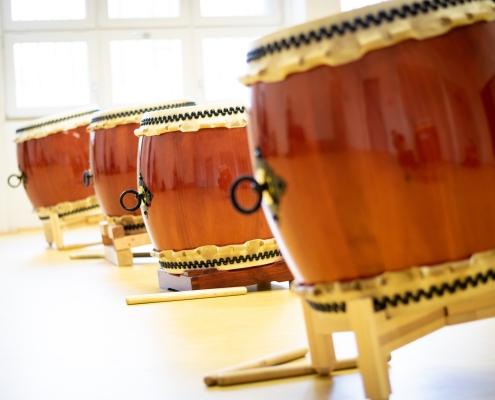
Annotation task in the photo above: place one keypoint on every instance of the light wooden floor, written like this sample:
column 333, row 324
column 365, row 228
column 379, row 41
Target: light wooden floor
column 66, row 333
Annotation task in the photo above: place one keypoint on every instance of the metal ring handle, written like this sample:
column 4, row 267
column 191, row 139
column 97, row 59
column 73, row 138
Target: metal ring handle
column 136, row 195
column 20, row 180
column 254, row 185
column 87, row 178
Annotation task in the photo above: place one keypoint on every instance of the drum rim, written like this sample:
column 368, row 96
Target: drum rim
column 68, row 208
column 133, row 114
column 188, row 119
column 410, row 289
column 54, row 119
column 252, row 253
column 345, row 37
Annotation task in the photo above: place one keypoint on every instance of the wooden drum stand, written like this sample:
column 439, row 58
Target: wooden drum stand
column 394, row 309
column 119, row 238
column 62, row 216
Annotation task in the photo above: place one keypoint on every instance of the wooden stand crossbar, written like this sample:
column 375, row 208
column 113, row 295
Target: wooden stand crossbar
column 213, row 278
column 377, row 334
column 54, row 225
column 118, row 245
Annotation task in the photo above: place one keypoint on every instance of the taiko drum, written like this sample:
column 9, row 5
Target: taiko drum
column 377, row 127
column 52, row 153
column 188, row 158
column 113, row 152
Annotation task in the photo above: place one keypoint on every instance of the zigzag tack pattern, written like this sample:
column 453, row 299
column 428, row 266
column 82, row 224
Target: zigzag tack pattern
column 221, row 261
column 72, row 212
column 407, row 10
column 410, row 297
column 193, row 115
column 347, row 37
column 140, row 111
column 54, row 121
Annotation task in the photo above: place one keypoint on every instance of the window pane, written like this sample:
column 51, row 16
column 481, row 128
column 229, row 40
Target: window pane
column 146, row 70
column 237, row 8
column 224, row 61
column 51, row 74
column 47, row 10
column 346, row 5
column 143, row 8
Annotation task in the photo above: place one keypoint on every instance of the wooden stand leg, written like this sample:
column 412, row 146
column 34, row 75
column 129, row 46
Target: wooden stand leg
column 56, row 231
column 47, row 229
column 118, row 257
column 372, row 364
column 320, row 346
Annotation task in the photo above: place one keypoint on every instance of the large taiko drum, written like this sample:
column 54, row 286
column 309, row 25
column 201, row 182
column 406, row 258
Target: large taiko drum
column 374, row 138
column 52, row 153
column 113, row 158
column 188, row 158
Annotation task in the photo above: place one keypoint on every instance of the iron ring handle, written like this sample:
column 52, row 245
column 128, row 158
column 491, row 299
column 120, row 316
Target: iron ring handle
column 254, row 185
column 87, row 178
column 20, row 180
column 138, row 197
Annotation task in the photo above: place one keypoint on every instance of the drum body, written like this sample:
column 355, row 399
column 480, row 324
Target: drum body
column 113, row 160
column 113, row 156
column 189, row 174
column 54, row 165
column 388, row 160
column 52, row 153
column 188, row 158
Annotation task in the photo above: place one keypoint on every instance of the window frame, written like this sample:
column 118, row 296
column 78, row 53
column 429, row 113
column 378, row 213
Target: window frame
column 275, row 18
column 202, row 33
column 108, row 35
column 105, row 22
column 29, row 26
column 11, row 109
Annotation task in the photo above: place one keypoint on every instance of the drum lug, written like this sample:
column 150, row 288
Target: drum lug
column 22, row 178
column 143, row 196
column 269, row 187
column 87, row 176
column 273, row 186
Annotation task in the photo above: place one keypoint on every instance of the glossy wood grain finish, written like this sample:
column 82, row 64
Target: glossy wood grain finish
column 389, row 160
column 113, row 159
column 54, row 166
column 189, row 174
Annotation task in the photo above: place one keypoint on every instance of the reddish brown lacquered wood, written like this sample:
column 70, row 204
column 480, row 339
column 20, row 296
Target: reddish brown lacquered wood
column 389, row 160
column 189, row 174
column 54, row 166
column 113, row 159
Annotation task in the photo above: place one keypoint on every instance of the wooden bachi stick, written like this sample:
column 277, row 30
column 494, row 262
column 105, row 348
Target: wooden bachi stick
column 272, row 359
column 280, row 371
column 189, row 295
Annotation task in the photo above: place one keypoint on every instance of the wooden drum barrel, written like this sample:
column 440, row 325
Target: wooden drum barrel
column 52, row 153
column 187, row 160
column 113, row 158
column 374, row 137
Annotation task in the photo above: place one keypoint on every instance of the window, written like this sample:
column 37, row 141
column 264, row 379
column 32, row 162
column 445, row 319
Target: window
column 65, row 53
column 221, row 55
column 47, row 10
column 153, row 76
column 347, row 5
column 59, row 77
column 143, row 9
column 47, row 72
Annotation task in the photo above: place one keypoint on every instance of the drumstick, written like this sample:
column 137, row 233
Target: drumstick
column 189, row 295
column 272, row 359
column 85, row 256
column 280, row 371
